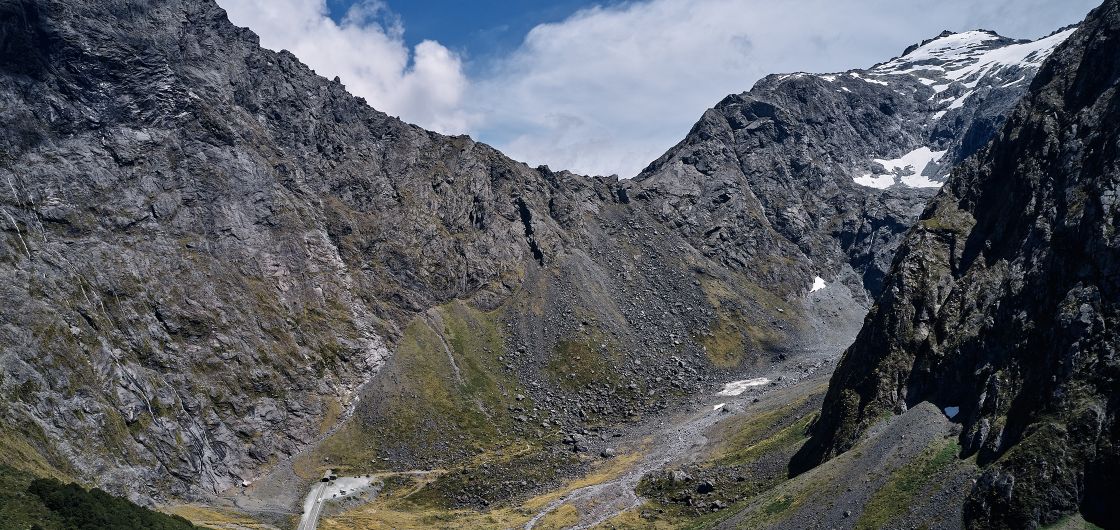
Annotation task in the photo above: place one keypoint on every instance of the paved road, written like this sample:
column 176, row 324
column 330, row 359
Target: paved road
column 313, row 507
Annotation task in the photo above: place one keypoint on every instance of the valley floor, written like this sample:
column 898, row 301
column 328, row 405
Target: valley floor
column 608, row 495
column 717, row 459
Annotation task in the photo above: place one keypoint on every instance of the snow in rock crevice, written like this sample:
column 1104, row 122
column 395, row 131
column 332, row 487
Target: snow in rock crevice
column 818, row 284
column 907, row 170
column 949, row 72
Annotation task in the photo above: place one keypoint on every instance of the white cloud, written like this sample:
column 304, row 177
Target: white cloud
column 367, row 51
column 609, row 89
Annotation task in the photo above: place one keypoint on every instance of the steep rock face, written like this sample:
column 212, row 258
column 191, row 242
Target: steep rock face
column 210, row 251
column 207, row 246
column 811, row 174
column 1002, row 304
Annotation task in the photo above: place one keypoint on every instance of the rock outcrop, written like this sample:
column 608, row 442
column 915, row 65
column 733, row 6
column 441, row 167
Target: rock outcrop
column 1002, row 304
column 209, row 253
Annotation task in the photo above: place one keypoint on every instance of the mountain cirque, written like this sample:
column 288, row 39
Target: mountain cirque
column 774, row 171
column 222, row 263
column 212, row 249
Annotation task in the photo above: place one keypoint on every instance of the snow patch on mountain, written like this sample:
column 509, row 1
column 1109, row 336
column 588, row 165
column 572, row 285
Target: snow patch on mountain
column 966, row 57
column 735, row 388
column 908, row 170
column 952, row 77
column 818, row 284
column 968, row 60
column 868, row 79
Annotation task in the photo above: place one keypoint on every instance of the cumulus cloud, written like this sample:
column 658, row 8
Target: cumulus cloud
column 424, row 85
column 609, row 89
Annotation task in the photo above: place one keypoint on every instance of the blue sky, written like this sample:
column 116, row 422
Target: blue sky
column 602, row 87
column 480, row 30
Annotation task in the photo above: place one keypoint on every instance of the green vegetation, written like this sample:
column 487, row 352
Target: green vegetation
column 849, row 430
column 452, row 381
column 781, row 429
column 487, row 476
column 893, row 499
column 18, row 507
column 778, row 506
column 27, row 502
column 949, row 218
column 445, row 394
column 786, row 440
column 746, row 464
column 25, row 447
column 763, row 338
column 724, row 343
column 1073, row 522
column 406, row 503
column 731, row 337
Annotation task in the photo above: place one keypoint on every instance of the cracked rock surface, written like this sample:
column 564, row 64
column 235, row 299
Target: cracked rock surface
column 212, row 256
column 1001, row 307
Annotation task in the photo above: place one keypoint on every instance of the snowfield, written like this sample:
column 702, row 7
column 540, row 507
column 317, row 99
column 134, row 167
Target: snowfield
column 908, row 168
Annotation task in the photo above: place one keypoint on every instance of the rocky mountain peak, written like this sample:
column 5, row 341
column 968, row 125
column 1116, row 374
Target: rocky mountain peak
column 945, row 98
column 949, row 42
column 221, row 267
column 809, row 153
column 972, row 58
column 250, row 258
column 958, row 75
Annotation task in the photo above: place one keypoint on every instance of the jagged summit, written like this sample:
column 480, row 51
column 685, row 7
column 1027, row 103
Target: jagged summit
column 971, row 57
column 226, row 276
column 845, row 136
column 924, row 111
column 251, row 259
column 993, row 39
column 948, row 95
